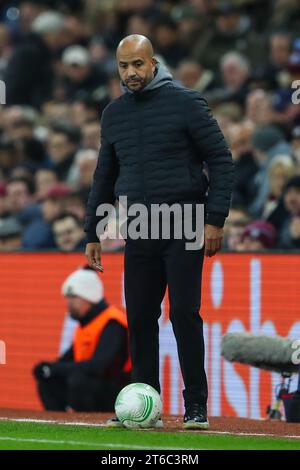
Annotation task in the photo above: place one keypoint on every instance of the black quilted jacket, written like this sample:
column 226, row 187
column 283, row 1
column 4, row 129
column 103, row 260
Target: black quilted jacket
column 153, row 145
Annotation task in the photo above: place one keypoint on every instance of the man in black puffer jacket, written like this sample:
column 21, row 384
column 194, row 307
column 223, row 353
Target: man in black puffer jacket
column 155, row 140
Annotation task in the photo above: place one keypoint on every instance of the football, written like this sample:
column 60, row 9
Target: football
column 138, row 405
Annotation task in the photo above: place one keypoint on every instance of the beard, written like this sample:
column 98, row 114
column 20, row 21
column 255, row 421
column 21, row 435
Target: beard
column 137, row 84
column 74, row 314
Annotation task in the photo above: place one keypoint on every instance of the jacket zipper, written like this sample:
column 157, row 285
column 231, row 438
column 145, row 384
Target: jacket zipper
column 140, row 155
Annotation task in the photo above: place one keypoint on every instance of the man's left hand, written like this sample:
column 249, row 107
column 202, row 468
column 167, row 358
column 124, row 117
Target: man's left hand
column 213, row 237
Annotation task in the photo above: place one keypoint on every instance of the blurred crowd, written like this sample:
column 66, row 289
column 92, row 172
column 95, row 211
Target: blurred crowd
column 57, row 59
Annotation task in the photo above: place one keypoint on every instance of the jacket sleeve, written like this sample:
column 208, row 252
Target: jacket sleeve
column 213, row 149
column 102, row 190
column 113, row 340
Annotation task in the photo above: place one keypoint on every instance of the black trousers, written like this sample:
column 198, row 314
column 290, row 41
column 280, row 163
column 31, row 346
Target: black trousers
column 79, row 391
column 151, row 265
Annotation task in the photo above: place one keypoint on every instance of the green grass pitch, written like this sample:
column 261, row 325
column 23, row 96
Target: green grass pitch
column 44, row 436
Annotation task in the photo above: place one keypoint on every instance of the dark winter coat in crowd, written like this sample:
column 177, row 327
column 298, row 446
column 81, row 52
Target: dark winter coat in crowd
column 29, row 74
column 244, row 190
column 93, row 82
column 154, row 145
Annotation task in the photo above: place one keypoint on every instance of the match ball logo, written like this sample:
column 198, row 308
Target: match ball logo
column 138, row 406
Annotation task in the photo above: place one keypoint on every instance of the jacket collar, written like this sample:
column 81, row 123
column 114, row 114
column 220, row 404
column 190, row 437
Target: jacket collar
column 94, row 311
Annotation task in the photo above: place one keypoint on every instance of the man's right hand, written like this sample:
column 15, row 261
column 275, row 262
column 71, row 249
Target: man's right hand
column 93, row 254
column 42, row 371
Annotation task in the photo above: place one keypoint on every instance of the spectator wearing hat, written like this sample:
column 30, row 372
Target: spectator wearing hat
column 258, row 235
column 79, row 74
column 10, row 234
column 90, row 374
column 29, row 75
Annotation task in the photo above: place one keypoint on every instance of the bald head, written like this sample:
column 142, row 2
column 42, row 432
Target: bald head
column 136, row 43
column 136, row 63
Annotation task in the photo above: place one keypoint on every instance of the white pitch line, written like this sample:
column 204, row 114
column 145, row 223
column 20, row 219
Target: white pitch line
column 52, row 421
column 100, row 425
column 249, row 434
column 92, row 444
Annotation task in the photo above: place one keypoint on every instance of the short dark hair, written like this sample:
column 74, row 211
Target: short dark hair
column 28, row 183
column 67, row 215
column 294, row 182
column 72, row 132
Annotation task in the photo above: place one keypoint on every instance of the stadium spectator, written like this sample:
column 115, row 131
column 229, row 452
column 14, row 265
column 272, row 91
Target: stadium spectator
column 3, row 207
column 91, row 373
column 258, row 108
column 191, row 75
column 45, row 179
column 20, row 200
column 75, row 203
column 68, row 233
column 230, row 31
column 235, row 71
column 39, row 233
column 267, row 142
column 29, row 11
column 258, row 235
column 5, row 48
column 239, row 139
column 8, row 157
column 79, row 76
column 29, row 74
column 56, row 110
column 281, row 170
column 84, row 109
column 289, row 235
column 63, row 142
column 237, row 220
column 279, row 52
column 57, row 58
column 296, row 147
column 82, row 171
column 10, row 234
column 167, row 42
column 91, row 135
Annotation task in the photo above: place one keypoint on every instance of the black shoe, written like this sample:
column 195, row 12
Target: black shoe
column 114, row 422
column 195, row 417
